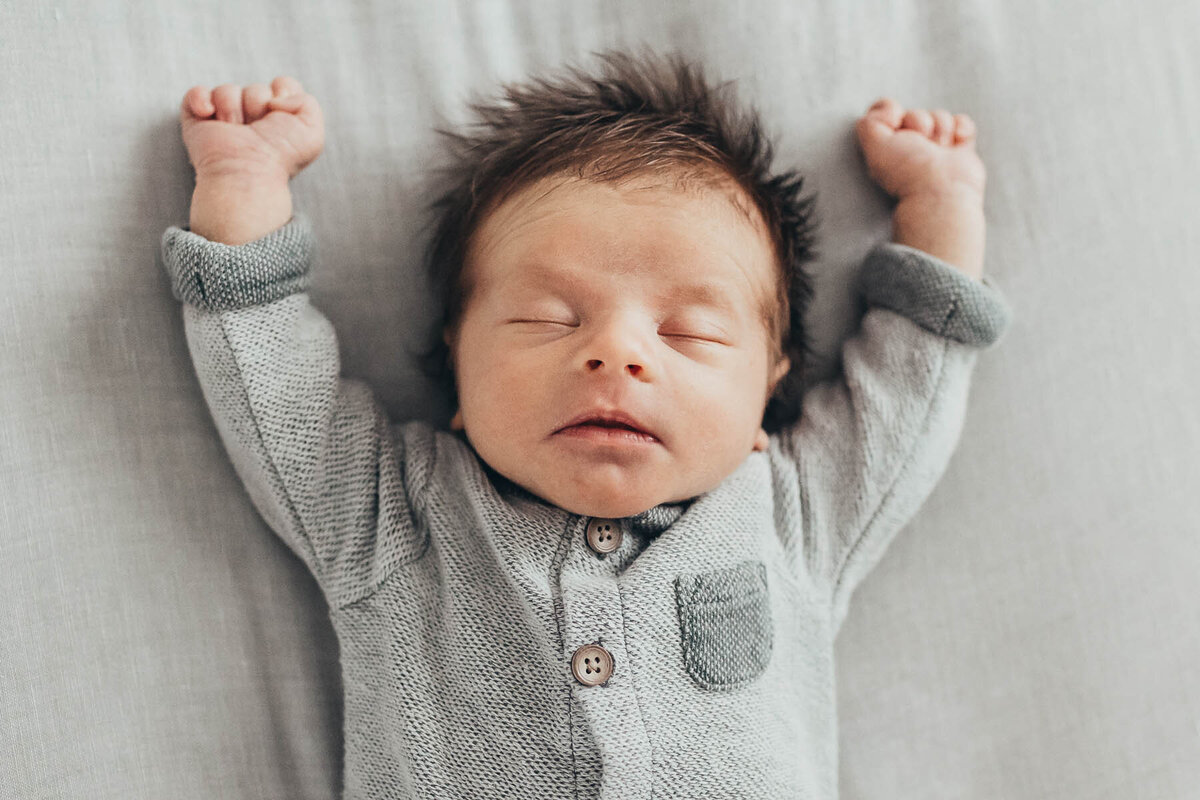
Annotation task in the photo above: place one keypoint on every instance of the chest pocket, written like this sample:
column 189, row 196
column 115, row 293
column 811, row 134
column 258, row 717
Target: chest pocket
column 725, row 625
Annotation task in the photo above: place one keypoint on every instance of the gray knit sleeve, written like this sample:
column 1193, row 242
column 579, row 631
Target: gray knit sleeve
column 316, row 452
column 872, row 443
column 219, row 277
column 934, row 294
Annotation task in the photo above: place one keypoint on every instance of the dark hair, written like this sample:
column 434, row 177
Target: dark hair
column 638, row 116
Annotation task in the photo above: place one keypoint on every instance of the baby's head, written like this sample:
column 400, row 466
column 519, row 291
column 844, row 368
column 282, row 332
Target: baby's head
column 614, row 247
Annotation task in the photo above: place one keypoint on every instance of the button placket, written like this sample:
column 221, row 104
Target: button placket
column 593, row 623
column 593, row 628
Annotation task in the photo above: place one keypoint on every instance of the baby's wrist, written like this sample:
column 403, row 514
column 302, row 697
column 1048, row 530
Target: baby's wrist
column 949, row 226
column 236, row 208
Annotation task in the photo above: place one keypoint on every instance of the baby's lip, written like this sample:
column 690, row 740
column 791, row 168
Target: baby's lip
column 610, row 417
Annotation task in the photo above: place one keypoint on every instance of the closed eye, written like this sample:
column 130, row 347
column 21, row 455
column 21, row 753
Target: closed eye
column 694, row 337
column 544, row 322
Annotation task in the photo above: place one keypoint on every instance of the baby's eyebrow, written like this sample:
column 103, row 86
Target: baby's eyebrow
column 713, row 295
column 704, row 294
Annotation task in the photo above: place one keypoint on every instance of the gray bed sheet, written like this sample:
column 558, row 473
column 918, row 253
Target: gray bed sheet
column 1033, row 633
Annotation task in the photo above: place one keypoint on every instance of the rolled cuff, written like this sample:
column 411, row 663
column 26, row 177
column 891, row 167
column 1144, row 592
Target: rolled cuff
column 221, row 277
column 937, row 296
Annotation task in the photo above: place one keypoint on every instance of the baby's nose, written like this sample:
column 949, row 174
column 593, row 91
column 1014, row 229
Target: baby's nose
column 618, row 345
column 596, row 364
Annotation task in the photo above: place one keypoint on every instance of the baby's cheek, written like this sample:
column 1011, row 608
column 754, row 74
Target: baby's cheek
column 721, row 402
column 506, row 392
column 514, row 376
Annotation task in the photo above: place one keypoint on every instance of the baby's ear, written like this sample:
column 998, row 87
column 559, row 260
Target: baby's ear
column 449, row 342
column 781, row 369
column 456, row 423
column 761, row 442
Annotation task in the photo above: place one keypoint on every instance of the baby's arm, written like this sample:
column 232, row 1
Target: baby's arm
column 870, row 446
column 316, row 453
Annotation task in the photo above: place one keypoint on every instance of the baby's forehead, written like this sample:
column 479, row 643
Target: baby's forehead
column 702, row 231
column 674, row 185
column 710, row 201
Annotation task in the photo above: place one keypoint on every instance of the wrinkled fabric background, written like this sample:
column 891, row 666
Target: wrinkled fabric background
column 1032, row 633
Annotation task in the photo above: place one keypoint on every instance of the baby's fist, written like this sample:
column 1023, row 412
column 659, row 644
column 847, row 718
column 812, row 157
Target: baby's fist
column 919, row 152
column 260, row 129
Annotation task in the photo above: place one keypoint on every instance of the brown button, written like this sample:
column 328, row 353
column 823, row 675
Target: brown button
column 604, row 535
column 592, row 665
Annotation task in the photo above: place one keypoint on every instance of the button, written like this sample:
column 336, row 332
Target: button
column 592, row 665
column 604, row 535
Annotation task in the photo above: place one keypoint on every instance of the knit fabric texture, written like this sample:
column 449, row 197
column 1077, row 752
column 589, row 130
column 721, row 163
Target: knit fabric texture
column 459, row 598
column 928, row 291
column 218, row 277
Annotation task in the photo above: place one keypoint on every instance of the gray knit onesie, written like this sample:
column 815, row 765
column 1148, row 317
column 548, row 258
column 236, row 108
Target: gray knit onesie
column 473, row 617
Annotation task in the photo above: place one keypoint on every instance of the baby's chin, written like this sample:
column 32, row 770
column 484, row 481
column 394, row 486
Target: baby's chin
column 594, row 502
column 609, row 488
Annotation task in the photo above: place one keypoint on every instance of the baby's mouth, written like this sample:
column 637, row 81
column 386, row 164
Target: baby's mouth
column 608, row 426
column 603, row 423
column 606, row 432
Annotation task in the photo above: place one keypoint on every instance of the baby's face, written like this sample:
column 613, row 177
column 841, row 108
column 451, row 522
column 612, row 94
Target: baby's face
column 592, row 299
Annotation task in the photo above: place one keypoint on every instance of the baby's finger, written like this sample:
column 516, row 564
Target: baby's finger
column 964, row 130
column 254, row 101
column 284, row 86
column 291, row 103
column 888, row 111
column 920, row 120
column 228, row 99
column 197, row 103
column 943, row 127
column 873, row 131
column 879, row 123
column 310, row 112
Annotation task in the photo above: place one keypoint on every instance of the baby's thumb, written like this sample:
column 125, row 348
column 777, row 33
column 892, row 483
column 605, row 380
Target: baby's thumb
column 291, row 103
column 196, row 105
column 303, row 105
column 880, row 122
column 874, row 129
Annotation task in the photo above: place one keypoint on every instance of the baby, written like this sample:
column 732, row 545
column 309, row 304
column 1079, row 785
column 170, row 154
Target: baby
column 621, row 574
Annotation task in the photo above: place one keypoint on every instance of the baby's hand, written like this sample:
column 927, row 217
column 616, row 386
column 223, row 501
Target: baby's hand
column 230, row 131
column 919, row 152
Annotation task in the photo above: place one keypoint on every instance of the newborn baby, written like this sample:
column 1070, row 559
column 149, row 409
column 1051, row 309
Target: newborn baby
column 621, row 573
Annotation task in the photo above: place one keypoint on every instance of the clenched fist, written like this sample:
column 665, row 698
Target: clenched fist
column 919, row 152
column 927, row 160
column 234, row 131
column 245, row 145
